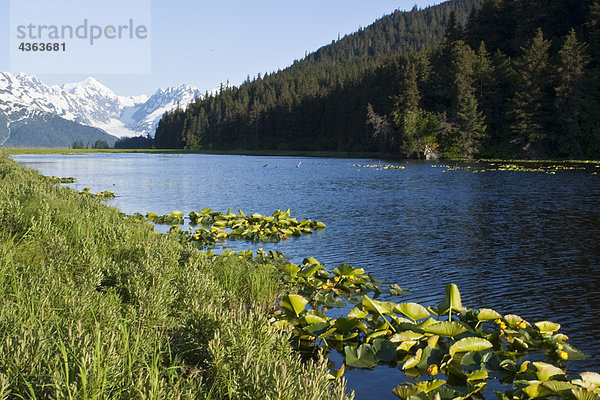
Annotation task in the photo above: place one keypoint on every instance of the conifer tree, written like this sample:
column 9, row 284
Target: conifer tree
column 531, row 103
column 469, row 121
column 570, row 93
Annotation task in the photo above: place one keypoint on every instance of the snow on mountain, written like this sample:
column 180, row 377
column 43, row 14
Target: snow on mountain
column 90, row 103
column 145, row 117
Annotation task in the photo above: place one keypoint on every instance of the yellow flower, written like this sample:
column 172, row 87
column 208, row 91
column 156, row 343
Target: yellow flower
column 559, row 346
column 522, row 325
column 324, row 287
column 240, row 257
column 336, row 279
column 564, row 355
column 497, row 321
column 260, row 249
column 502, row 325
column 432, row 370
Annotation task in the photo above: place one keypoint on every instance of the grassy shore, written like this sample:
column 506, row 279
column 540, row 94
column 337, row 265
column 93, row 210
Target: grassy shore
column 95, row 305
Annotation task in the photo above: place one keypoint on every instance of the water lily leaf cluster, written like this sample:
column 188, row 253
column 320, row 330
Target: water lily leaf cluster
column 450, row 350
column 379, row 166
column 56, row 179
column 107, row 194
column 215, row 226
column 547, row 168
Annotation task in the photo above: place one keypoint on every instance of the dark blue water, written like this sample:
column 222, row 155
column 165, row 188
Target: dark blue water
column 525, row 243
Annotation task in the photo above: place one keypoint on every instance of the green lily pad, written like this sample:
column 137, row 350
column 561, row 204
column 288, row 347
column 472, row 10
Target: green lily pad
column 347, row 270
column 413, row 311
column 375, row 334
column 560, row 387
column 428, row 386
column 406, row 391
column 546, row 371
column 309, row 270
column 396, row 290
column 357, row 313
column 487, row 314
column 384, row 350
column 361, row 357
column 547, row 326
column 585, row 394
column 293, row 303
column 413, row 361
column 406, row 335
column 345, row 325
column 512, row 320
column 313, row 319
column 535, row 390
column 477, row 375
column 445, row 328
column 591, row 377
column 318, row 328
column 469, row 344
column 451, row 300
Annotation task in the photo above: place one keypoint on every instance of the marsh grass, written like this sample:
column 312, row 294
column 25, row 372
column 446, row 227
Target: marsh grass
column 95, row 305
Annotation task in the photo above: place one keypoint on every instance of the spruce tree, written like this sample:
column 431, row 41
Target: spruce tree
column 469, row 121
column 531, row 103
column 570, row 93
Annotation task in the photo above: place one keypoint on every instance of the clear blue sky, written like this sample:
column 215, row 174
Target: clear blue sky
column 204, row 43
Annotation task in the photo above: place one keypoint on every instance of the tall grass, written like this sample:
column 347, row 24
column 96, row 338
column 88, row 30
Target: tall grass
column 94, row 305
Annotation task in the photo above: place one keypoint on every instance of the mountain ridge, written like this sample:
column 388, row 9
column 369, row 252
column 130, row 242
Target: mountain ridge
column 86, row 103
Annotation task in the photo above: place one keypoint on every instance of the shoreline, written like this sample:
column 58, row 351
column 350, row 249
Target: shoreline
column 283, row 153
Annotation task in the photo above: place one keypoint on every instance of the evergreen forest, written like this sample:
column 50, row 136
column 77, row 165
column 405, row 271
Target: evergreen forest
column 462, row 79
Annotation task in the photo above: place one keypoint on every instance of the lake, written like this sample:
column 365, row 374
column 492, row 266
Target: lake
column 526, row 243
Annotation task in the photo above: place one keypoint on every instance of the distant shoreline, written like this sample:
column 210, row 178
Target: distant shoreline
column 271, row 153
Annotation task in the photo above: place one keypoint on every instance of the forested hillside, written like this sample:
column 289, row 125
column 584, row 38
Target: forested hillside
column 318, row 102
column 506, row 78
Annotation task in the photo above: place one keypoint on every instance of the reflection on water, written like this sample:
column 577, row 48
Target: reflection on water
column 520, row 242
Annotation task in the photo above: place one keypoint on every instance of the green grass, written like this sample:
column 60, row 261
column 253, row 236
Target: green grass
column 95, row 305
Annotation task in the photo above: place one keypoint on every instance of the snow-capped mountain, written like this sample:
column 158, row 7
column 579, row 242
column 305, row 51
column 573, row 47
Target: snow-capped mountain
column 87, row 103
column 144, row 117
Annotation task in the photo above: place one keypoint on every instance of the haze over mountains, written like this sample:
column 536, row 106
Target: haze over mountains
column 33, row 113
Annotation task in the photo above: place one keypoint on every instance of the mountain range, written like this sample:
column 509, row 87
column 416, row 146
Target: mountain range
column 33, row 113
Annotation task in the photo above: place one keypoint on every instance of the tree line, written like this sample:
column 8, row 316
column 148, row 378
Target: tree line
column 501, row 78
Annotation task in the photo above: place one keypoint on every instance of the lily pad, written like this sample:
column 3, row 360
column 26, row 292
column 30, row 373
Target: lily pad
column 546, row 371
column 445, row 328
column 470, row 344
column 293, row 303
column 487, row 314
column 547, row 326
column 413, row 311
column 591, row 377
column 451, row 300
column 585, row 394
column 413, row 361
column 361, row 357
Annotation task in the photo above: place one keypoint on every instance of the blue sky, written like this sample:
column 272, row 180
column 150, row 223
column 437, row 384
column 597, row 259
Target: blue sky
column 205, row 43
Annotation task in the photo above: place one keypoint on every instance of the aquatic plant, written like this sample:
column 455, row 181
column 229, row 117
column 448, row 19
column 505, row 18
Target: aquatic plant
column 107, row 194
column 216, row 226
column 461, row 348
column 56, row 179
column 379, row 166
column 548, row 168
